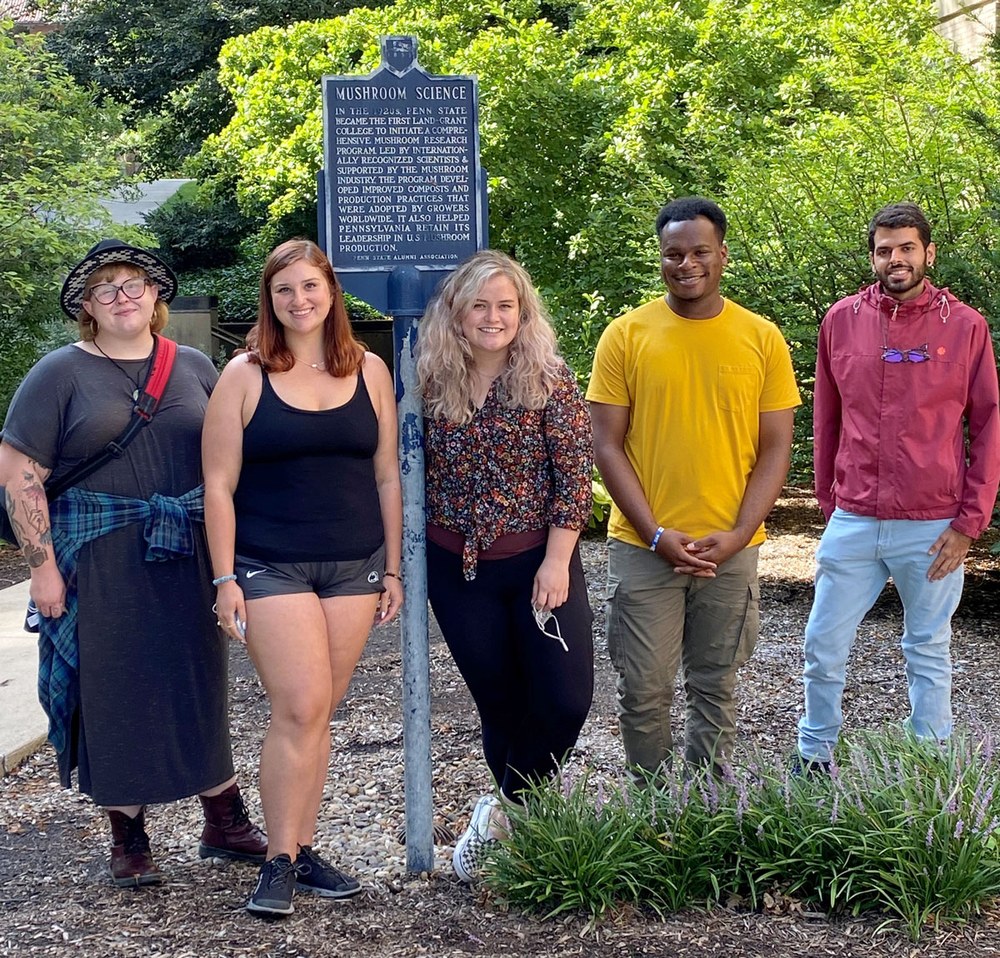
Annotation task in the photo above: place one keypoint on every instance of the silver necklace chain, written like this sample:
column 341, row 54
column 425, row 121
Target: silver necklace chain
column 321, row 367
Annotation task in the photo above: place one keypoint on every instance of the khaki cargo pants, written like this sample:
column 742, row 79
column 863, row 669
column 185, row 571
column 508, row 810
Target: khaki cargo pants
column 659, row 620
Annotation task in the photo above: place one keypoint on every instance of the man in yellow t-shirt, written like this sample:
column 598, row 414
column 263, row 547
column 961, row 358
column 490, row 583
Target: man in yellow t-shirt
column 692, row 399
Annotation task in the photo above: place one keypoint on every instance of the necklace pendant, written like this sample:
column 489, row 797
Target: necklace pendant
column 135, row 395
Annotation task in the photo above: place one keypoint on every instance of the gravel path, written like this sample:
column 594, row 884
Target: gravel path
column 56, row 897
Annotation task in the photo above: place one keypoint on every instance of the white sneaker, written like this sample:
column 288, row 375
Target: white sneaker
column 469, row 848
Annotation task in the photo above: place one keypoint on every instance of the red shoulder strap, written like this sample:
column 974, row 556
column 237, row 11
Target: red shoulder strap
column 159, row 374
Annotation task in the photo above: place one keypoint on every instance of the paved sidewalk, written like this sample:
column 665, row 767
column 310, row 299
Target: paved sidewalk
column 22, row 722
column 150, row 196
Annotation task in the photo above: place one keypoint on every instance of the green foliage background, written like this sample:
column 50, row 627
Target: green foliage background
column 157, row 59
column 57, row 157
column 800, row 116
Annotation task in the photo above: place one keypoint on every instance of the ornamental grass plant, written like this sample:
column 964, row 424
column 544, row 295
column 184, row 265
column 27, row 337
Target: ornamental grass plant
column 903, row 828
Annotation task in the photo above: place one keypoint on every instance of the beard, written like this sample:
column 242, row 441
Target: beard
column 903, row 283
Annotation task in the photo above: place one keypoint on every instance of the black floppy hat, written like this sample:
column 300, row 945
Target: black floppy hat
column 110, row 251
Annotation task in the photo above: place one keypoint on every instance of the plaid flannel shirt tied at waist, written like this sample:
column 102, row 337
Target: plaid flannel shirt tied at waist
column 79, row 517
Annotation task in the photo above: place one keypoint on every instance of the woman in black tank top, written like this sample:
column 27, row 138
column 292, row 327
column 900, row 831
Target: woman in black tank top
column 303, row 512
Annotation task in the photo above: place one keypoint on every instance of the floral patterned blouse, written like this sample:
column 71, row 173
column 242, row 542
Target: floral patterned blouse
column 511, row 470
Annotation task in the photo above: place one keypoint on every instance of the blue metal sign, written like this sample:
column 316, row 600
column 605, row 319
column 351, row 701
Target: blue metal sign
column 401, row 182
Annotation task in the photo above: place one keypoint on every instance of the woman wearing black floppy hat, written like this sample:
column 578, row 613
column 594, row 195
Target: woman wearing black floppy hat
column 133, row 669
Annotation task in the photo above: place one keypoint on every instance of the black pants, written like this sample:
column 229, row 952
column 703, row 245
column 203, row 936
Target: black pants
column 532, row 696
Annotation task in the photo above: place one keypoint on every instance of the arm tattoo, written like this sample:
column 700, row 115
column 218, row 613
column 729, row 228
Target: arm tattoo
column 29, row 516
column 34, row 555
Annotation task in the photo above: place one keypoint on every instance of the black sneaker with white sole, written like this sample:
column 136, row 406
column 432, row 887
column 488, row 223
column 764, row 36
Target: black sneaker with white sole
column 316, row 876
column 275, row 887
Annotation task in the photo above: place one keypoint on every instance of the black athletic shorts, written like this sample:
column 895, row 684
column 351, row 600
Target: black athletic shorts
column 327, row 579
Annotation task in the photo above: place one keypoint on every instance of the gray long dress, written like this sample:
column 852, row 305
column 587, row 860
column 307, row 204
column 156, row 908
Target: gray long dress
column 152, row 724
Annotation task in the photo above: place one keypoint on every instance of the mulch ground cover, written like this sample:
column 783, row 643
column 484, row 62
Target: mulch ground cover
column 56, row 898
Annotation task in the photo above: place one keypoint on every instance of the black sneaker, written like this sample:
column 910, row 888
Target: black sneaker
column 31, row 617
column 318, row 877
column 275, row 887
column 802, row 767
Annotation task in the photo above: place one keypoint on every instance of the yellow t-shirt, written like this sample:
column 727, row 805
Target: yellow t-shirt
column 695, row 388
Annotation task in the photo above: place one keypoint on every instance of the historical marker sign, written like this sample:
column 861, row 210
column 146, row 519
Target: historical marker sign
column 402, row 178
column 402, row 201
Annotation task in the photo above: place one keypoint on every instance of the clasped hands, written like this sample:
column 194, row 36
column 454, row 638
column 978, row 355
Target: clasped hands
column 698, row 557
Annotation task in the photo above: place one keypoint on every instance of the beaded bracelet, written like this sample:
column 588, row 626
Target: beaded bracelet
column 656, row 539
column 224, row 578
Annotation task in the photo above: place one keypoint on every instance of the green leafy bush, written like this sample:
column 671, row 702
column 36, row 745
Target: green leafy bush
column 203, row 232
column 901, row 828
column 236, row 286
column 571, row 851
column 57, row 158
column 159, row 60
column 593, row 114
column 601, row 508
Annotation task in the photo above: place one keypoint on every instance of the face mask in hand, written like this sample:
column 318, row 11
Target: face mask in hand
column 543, row 617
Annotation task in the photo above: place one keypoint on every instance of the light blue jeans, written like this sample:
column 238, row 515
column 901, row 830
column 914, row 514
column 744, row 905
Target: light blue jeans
column 856, row 556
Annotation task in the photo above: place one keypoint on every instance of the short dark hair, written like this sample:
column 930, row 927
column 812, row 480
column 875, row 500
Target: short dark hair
column 689, row 208
column 897, row 216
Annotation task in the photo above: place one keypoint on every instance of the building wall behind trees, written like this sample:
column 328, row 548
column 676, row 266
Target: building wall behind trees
column 969, row 24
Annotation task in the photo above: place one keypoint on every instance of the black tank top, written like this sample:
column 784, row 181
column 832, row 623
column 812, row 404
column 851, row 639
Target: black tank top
column 307, row 487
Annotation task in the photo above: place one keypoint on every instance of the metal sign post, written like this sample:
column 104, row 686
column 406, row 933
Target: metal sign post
column 402, row 200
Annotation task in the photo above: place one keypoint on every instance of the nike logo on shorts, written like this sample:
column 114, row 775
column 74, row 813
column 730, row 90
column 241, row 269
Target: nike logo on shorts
column 254, row 572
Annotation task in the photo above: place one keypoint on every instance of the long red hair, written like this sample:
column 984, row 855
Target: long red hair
column 343, row 353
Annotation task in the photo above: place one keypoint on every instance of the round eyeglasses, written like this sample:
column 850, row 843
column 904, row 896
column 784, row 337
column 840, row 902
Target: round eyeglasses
column 107, row 293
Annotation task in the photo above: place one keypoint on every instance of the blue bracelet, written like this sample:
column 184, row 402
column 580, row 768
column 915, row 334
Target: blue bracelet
column 224, row 578
column 656, row 539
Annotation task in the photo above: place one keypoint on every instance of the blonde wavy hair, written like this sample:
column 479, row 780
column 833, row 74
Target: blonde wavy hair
column 444, row 357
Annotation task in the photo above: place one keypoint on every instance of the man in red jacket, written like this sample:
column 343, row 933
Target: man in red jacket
column 907, row 460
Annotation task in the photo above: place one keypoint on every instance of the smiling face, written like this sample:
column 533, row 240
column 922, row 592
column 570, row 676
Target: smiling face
column 492, row 320
column 301, row 297
column 900, row 261
column 123, row 318
column 692, row 258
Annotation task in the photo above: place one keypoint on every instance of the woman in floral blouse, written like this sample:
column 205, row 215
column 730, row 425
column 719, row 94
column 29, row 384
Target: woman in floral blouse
column 509, row 459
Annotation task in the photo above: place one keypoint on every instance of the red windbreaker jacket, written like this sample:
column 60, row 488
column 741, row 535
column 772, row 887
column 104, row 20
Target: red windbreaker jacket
column 914, row 438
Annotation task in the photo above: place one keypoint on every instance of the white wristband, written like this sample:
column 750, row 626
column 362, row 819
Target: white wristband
column 656, row 538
